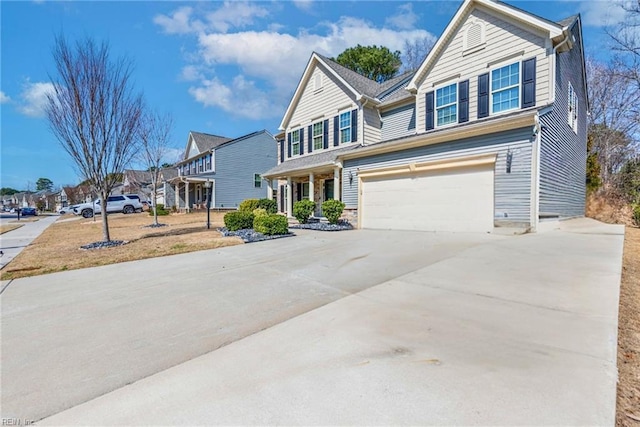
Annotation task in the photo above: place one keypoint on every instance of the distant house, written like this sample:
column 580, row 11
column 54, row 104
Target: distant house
column 232, row 166
column 490, row 131
column 138, row 182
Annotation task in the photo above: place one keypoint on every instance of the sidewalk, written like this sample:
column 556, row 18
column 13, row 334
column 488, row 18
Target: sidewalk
column 14, row 241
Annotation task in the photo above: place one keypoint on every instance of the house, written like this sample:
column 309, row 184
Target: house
column 138, row 182
column 232, row 167
column 489, row 132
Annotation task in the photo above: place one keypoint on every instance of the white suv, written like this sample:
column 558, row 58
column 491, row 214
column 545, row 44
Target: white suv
column 125, row 203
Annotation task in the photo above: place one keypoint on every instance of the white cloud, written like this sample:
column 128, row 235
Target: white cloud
column 404, row 19
column 269, row 62
column 4, row 98
column 229, row 15
column 602, row 13
column 240, row 98
column 305, row 5
column 34, row 98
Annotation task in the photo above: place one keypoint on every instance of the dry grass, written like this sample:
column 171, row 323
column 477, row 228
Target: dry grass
column 8, row 227
column 609, row 209
column 628, row 404
column 58, row 248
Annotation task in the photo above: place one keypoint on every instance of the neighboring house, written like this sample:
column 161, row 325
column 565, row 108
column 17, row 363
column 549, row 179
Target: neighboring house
column 490, row 131
column 233, row 168
column 166, row 192
column 138, row 182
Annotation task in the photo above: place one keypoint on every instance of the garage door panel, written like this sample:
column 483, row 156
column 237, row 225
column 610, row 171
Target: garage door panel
column 451, row 200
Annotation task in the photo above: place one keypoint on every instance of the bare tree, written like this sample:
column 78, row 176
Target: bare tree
column 415, row 52
column 626, row 40
column 94, row 113
column 615, row 117
column 155, row 137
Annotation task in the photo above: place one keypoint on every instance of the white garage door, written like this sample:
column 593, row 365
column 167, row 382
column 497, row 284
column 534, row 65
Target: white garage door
column 455, row 199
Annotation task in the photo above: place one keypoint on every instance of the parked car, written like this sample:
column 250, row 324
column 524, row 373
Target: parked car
column 66, row 209
column 28, row 212
column 125, row 203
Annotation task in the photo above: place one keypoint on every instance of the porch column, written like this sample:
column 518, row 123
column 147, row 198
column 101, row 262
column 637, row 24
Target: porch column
column 289, row 198
column 311, row 193
column 186, row 196
column 176, row 196
column 336, row 183
column 269, row 190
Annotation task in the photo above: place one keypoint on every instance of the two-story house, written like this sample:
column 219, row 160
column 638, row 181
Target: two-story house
column 490, row 131
column 232, row 167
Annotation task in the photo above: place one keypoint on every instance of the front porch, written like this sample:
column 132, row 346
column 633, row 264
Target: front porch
column 317, row 186
column 191, row 192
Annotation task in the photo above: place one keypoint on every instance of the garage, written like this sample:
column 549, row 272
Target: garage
column 436, row 196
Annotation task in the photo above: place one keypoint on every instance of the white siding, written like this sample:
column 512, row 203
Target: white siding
column 503, row 39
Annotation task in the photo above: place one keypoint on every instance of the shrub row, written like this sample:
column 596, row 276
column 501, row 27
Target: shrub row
column 271, row 224
column 160, row 210
column 331, row 209
column 238, row 220
column 249, row 205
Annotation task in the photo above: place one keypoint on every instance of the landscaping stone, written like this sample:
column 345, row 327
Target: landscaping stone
column 323, row 226
column 154, row 226
column 102, row 245
column 249, row 235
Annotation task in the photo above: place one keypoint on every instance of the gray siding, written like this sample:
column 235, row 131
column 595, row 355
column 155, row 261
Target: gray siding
column 235, row 165
column 512, row 190
column 399, row 122
column 563, row 154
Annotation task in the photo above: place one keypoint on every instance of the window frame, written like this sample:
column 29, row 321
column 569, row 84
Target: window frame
column 572, row 108
column 295, row 145
column 345, row 128
column 257, row 180
column 436, row 108
column 493, row 92
column 319, row 137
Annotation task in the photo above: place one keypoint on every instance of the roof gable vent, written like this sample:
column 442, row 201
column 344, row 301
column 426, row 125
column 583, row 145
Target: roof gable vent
column 474, row 36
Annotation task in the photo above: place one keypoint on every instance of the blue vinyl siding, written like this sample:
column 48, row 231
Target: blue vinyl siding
column 512, row 190
column 563, row 153
column 236, row 163
column 399, row 122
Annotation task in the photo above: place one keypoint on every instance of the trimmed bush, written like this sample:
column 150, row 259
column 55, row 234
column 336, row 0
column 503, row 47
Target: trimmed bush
column 636, row 214
column 160, row 210
column 238, row 220
column 303, row 209
column 269, row 205
column 259, row 212
column 248, row 205
column 271, row 224
column 332, row 210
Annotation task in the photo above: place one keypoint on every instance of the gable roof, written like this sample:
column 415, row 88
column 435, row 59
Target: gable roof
column 553, row 30
column 205, row 142
column 360, row 86
column 138, row 176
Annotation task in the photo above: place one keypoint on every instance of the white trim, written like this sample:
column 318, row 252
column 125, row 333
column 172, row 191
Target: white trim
column 491, row 112
column 435, row 105
column 340, row 113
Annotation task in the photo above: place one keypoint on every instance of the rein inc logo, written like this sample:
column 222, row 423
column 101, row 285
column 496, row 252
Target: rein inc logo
column 16, row 422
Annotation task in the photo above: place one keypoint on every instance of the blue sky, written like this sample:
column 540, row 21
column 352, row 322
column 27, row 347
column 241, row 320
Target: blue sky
column 225, row 68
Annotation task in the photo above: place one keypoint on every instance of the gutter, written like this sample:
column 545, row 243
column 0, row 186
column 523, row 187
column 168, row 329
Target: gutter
column 567, row 36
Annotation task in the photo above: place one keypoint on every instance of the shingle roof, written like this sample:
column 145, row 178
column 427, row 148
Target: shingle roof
column 325, row 158
column 139, row 177
column 568, row 21
column 205, row 142
column 168, row 173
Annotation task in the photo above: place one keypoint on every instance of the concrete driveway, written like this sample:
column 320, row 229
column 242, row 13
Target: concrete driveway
column 421, row 328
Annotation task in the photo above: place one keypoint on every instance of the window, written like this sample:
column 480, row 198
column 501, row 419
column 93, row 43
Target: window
column 345, row 127
column 208, row 166
column 200, row 164
column 318, row 142
column 505, row 88
column 572, row 112
column 257, row 180
column 446, row 105
column 295, row 142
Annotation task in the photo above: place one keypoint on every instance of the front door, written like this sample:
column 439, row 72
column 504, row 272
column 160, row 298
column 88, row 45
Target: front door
column 328, row 189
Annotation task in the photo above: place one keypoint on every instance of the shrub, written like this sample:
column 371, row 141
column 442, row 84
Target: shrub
column 248, row 205
column 269, row 205
column 303, row 209
column 332, row 209
column 271, row 224
column 238, row 220
column 259, row 212
column 159, row 209
column 636, row 215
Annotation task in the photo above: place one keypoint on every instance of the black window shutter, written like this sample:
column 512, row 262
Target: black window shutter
column 281, row 151
column 282, row 201
column 336, row 131
column 325, row 135
column 299, row 191
column 310, row 133
column 354, row 125
column 463, row 101
column 429, row 110
column 529, row 83
column 301, row 141
column 483, row 95
column 289, row 143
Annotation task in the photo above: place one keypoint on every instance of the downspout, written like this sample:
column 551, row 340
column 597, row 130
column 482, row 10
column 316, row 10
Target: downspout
column 555, row 52
column 535, row 178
